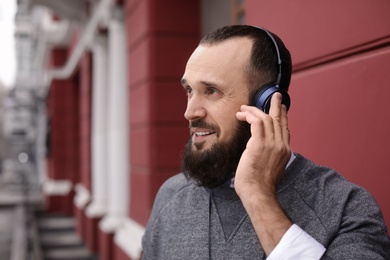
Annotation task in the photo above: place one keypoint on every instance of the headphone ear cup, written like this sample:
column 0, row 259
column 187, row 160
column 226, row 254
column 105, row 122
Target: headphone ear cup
column 262, row 98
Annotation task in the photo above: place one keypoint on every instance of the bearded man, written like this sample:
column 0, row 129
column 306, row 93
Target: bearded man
column 243, row 193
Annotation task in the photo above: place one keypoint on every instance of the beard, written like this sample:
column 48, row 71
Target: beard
column 213, row 167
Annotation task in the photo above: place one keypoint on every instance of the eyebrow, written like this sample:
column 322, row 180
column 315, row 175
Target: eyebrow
column 184, row 83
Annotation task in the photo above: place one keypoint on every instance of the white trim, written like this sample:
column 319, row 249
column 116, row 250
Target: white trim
column 118, row 126
column 129, row 238
column 57, row 187
column 82, row 196
column 99, row 16
column 99, row 153
column 110, row 223
column 96, row 209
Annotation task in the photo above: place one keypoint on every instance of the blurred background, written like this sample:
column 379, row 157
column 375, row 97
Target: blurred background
column 91, row 113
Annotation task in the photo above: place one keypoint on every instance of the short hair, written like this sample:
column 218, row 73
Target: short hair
column 263, row 68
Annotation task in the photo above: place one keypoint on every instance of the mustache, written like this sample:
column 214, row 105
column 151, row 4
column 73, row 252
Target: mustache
column 202, row 124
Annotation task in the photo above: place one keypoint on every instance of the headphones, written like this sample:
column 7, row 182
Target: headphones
column 262, row 97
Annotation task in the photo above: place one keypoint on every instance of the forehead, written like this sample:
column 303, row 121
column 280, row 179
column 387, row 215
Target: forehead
column 223, row 62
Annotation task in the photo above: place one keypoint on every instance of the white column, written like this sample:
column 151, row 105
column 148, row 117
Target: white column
column 41, row 148
column 98, row 206
column 118, row 144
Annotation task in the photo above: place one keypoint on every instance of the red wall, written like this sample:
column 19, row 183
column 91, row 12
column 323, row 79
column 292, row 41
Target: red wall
column 161, row 36
column 84, row 70
column 85, row 89
column 62, row 110
column 317, row 32
column 63, row 157
column 339, row 98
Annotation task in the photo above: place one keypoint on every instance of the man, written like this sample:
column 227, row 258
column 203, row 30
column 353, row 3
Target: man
column 243, row 193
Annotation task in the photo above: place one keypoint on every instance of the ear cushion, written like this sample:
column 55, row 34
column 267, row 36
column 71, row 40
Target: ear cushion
column 262, row 99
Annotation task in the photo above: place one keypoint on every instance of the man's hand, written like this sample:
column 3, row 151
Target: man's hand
column 268, row 150
column 260, row 169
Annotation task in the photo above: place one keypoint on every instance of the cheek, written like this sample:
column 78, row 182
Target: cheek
column 228, row 127
column 225, row 118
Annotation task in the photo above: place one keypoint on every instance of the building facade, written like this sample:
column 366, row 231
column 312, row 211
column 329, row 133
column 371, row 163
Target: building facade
column 113, row 127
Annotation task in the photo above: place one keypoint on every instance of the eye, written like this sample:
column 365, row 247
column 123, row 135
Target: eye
column 212, row 91
column 188, row 91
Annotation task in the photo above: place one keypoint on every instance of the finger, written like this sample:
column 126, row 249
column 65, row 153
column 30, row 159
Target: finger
column 284, row 124
column 279, row 113
column 276, row 114
column 275, row 109
column 261, row 123
column 245, row 111
column 251, row 116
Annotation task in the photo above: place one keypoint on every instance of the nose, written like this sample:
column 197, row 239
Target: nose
column 195, row 109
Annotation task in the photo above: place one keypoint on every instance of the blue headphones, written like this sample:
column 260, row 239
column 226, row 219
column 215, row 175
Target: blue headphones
column 262, row 98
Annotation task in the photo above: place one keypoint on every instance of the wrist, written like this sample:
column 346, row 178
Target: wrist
column 265, row 200
column 268, row 218
column 257, row 194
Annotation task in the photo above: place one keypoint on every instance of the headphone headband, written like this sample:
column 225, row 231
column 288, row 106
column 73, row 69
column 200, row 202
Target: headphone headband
column 262, row 98
column 283, row 59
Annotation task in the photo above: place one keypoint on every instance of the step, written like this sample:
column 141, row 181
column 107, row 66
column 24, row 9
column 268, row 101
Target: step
column 56, row 223
column 60, row 240
column 68, row 254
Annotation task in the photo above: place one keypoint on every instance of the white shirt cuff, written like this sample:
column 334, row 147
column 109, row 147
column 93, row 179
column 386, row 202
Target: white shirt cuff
column 297, row 244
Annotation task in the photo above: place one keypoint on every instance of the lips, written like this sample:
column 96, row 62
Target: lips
column 200, row 134
column 203, row 133
column 200, row 130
